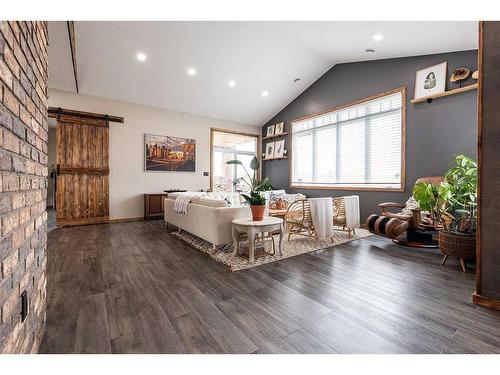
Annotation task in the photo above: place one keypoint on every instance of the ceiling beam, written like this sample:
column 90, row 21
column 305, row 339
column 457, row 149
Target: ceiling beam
column 72, row 44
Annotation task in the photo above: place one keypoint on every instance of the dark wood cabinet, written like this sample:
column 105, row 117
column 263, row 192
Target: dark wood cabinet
column 153, row 205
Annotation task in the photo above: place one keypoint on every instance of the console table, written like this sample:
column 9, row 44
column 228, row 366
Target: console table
column 153, row 205
column 252, row 228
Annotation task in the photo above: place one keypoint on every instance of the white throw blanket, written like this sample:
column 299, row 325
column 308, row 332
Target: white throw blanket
column 352, row 211
column 182, row 201
column 322, row 216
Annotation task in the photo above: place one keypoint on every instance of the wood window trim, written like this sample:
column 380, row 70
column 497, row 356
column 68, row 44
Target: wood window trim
column 402, row 90
column 248, row 134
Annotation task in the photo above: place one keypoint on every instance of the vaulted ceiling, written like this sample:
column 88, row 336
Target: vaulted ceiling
column 257, row 56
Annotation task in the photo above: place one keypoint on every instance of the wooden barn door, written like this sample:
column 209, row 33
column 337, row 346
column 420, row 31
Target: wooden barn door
column 82, row 195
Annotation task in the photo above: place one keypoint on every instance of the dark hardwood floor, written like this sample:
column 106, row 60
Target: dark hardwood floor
column 133, row 288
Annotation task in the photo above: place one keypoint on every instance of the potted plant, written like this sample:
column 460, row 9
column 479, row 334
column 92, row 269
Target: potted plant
column 256, row 201
column 453, row 205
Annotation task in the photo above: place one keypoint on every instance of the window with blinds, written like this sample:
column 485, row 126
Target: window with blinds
column 228, row 145
column 358, row 146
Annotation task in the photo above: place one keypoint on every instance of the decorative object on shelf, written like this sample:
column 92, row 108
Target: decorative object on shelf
column 169, row 154
column 475, row 75
column 269, row 150
column 270, row 131
column 431, row 80
column 459, row 75
column 279, row 128
column 279, row 149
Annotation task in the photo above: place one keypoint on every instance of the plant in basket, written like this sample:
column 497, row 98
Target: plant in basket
column 453, row 204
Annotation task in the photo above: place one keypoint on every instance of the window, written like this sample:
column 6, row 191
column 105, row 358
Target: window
column 228, row 145
column 358, row 146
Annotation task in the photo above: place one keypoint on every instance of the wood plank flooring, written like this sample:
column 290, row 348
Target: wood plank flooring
column 133, row 288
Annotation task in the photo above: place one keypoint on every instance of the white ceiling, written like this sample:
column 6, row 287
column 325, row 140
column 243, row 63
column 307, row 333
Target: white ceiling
column 257, row 55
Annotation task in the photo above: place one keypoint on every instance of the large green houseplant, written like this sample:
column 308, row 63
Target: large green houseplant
column 256, row 200
column 453, row 204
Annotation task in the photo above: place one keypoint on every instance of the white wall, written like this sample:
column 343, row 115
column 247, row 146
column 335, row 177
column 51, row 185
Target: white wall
column 127, row 179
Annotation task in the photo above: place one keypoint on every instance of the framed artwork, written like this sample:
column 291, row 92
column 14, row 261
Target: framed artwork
column 269, row 150
column 270, row 131
column 279, row 148
column 169, row 154
column 279, row 128
column 431, row 80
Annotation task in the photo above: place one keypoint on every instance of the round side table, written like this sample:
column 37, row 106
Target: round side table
column 252, row 228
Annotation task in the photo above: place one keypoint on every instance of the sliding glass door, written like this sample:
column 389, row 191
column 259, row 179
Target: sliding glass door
column 228, row 145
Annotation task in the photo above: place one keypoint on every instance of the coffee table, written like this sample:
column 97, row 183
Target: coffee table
column 252, row 228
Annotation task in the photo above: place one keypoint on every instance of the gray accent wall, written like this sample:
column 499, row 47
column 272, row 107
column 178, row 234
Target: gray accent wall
column 435, row 132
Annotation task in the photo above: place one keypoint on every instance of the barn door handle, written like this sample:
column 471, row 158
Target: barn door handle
column 58, row 169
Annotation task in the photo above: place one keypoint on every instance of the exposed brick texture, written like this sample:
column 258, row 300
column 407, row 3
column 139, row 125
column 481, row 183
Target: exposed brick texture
column 490, row 161
column 23, row 183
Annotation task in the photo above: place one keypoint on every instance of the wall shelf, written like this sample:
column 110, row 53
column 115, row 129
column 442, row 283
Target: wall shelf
column 274, row 136
column 283, row 157
column 446, row 93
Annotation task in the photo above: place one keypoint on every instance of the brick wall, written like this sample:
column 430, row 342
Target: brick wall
column 490, row 163
column 23, row 182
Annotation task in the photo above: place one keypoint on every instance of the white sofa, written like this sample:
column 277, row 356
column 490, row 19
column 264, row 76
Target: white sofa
column 208, row 215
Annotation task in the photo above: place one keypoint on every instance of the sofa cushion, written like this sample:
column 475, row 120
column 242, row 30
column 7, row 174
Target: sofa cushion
column 287, row 198
column 267, row 194
column 195, row 193
column 211, row 202
column 232, row 198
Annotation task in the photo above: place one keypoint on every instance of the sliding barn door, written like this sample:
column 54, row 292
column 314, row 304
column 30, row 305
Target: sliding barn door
column 82, row 170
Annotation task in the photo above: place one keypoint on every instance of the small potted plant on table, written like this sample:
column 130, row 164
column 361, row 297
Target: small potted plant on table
column 256, row 201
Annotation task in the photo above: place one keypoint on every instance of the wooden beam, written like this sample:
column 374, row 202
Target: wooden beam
column 72, row 45
column 55, row 112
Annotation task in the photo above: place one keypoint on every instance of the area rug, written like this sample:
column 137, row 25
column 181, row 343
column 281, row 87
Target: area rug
column 296, row 246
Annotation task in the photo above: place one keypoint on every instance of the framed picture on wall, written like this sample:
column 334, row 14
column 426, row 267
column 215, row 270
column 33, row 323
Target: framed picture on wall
column 269, row 150
column 431, row 80
column 270, row 131
column 169, row 154
column 279, row 148
column 279, row 128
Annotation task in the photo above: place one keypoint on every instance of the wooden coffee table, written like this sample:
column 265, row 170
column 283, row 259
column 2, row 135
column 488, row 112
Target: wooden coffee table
column 252, row 228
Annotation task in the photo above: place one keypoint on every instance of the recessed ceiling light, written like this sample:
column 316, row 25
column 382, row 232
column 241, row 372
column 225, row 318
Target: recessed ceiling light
column 378, row 37
column 370, row 50
column 231, row 83
column 264, row 93
column 191, row 71
column 141, row 56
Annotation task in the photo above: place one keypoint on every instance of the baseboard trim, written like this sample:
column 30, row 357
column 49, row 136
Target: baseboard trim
column 126, row 219
column 485, row 301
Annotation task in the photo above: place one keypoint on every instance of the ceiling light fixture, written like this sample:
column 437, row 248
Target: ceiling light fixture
column 378, row 37
column 264, row 93
column 371, row 50
column 141, row 56
column 191, row 71
column 231, row 83
column 296, row 80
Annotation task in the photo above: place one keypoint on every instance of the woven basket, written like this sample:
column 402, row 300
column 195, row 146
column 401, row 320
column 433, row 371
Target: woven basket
column 458, row 245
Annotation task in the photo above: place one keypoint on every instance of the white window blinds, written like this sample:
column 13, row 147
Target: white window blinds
column 359, row 146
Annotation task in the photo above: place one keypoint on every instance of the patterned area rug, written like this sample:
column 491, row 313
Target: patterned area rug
column 296, row 246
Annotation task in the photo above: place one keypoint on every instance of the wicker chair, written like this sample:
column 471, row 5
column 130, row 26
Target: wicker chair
column 298, row 219
column 339, row 216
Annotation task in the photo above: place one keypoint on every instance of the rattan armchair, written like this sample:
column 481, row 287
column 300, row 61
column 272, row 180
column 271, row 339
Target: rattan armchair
column 298, row 219
column 339, row 215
